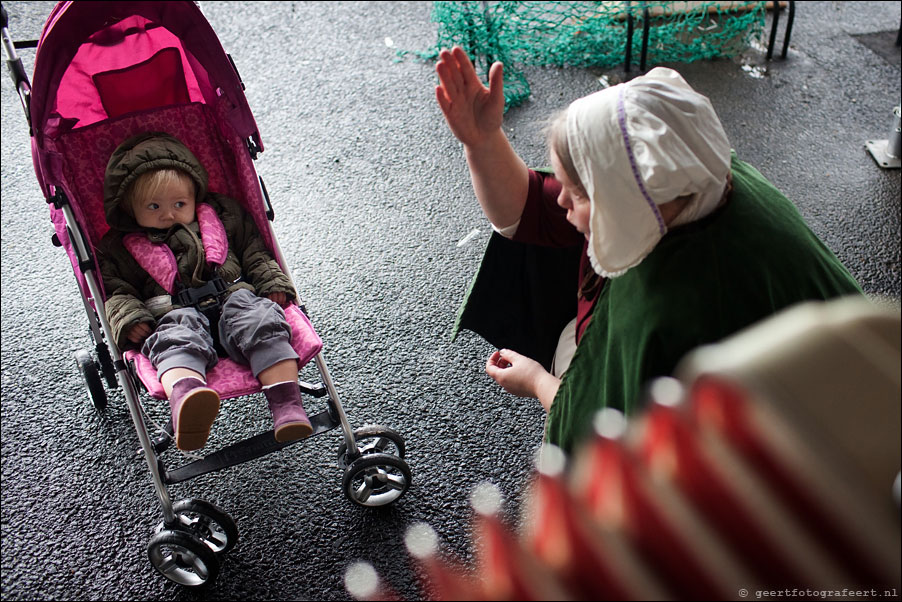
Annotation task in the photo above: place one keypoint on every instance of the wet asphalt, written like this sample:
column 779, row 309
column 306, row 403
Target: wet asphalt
column 379, row 225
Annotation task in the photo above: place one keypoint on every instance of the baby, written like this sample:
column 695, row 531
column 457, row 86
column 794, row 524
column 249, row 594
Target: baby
column 186, row 272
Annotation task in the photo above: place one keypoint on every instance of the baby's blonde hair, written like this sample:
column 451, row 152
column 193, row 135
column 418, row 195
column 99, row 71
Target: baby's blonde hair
column 148, row 183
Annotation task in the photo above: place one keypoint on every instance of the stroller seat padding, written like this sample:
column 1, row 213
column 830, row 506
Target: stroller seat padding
column 229, row 378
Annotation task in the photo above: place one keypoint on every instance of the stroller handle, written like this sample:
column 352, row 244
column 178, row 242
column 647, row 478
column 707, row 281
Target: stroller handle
column 17, row 70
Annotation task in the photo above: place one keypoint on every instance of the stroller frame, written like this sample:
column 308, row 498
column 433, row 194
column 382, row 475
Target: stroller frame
column 193, row 535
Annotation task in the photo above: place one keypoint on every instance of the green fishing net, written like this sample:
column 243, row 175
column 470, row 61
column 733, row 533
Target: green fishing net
column 591, row 34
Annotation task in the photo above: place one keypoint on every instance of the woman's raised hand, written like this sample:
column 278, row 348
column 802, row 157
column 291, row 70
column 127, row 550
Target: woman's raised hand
column 473, row 112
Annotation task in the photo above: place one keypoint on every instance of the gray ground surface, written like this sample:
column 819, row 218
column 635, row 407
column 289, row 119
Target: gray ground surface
column 372, row 196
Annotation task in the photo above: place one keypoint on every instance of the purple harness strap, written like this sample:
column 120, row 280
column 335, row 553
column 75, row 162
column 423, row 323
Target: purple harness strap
column 158, row 260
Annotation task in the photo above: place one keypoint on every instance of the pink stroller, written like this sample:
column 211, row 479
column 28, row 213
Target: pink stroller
column 105, row 71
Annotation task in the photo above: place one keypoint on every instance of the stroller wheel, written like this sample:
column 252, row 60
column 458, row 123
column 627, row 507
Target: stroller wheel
column 372, row 440
column 376, row 479
column 106, row 366
column 207, row 523
column 90, row 372
column 182, row 558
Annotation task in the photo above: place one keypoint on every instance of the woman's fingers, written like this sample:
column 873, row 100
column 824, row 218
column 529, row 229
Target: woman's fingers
column 444, row 102
column 449, row 73
column 498, row 360
column 457, row 75
column 510, row 356
column 445, row 78
column 465, row 68
column 492, row 363
column 496, row 85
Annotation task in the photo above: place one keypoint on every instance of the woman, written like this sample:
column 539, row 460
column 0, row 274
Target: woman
column 681, row 243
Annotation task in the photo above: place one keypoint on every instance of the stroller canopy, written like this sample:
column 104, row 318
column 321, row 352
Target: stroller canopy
column 99, row 60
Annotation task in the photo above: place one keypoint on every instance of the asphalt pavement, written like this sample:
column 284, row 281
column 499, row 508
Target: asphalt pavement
column 378, row 223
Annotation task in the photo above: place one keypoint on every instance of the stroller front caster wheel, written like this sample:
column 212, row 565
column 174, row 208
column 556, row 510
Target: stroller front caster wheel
column 183, row 558
column 90, row 372
column 376, row 479
column 372, row 440
column 207, row 523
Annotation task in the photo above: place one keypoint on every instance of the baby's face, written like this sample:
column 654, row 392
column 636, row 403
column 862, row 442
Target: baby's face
column 172, row 204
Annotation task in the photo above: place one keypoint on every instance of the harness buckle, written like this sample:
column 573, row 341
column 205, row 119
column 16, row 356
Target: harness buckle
column 207, row 300
column 206, row 297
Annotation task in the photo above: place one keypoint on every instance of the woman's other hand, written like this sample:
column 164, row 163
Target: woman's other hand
column 522, row 376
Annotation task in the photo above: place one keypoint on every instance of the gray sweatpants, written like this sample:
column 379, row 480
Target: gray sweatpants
column 252, row 330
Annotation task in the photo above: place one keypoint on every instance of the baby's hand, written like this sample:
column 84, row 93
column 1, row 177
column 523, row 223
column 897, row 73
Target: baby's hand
column 280, row 299
column 139, row 332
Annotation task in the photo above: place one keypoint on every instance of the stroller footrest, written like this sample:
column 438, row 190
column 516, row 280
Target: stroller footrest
column 314, row 390
column 248, row 449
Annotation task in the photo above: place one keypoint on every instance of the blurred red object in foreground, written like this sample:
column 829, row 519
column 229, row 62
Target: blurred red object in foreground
column 767, row 463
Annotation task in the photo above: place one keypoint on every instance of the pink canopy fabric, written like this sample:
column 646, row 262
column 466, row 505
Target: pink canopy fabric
column 90, row 50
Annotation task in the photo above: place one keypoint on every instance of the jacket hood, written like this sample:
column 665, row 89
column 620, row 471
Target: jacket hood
column 137, row 155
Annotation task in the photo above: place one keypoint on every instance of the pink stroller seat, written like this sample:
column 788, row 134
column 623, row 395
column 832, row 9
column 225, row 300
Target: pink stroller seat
column 229, row 378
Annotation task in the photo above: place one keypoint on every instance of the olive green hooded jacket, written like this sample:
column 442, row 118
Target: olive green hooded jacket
column 127, row 285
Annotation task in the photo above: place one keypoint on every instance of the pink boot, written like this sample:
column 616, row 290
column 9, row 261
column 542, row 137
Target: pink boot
column 194, row 408
column 290, row 421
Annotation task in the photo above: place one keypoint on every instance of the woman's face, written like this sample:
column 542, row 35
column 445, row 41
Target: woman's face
column 572, row 198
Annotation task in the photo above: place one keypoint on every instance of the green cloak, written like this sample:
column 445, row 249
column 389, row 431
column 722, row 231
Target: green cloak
column 702, row 282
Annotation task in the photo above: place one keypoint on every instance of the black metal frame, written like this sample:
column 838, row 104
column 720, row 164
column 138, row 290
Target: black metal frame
column 242, row 451
column 646, row 24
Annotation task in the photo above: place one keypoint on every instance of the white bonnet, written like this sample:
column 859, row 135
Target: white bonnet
column 635, row 146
